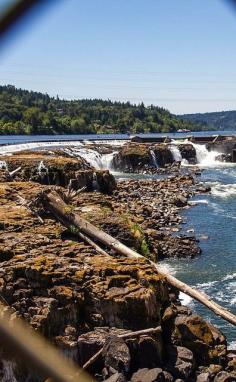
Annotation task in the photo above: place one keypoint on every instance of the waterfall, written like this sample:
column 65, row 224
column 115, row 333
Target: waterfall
column 154, row 159
column 107, row 160
column 42, row 169
column 176, row 153
column 8, row 149
column 3, row 165
column 91, row 156
column 95, row 159
column 205, row 157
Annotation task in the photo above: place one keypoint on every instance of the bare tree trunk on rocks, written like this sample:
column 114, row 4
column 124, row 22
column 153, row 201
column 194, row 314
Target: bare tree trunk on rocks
column 73, row 221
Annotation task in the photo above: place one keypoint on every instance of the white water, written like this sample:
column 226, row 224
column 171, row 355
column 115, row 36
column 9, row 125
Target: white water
column 3, row 165
column 176, row 153
column 42, row 169
column 205, row 157
column 107, row 159
column 224, row 190
column 154, row 159
column 95, row 159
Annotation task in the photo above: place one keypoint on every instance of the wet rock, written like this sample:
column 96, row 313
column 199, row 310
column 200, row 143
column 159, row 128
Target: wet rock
column 224, row 158
column 163, row 155
column 132, row 157
column 188, row 152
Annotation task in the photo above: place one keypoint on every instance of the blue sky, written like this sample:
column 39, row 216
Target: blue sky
column 179, row 54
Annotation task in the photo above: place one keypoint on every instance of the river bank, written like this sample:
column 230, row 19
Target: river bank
column 74, row 296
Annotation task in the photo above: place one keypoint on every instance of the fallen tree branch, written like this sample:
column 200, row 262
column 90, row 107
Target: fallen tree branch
column 56, row 205
column 94, row 245
column 124, row 336
column 14, row 172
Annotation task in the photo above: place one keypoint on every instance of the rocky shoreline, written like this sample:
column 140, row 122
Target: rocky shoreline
column 83, row 301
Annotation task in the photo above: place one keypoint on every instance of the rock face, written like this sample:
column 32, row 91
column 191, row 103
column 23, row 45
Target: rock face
column 132, row 157
column 136, row 157
column 189, row 330
column 58, row 168
column 163, row 155
column 188, row 152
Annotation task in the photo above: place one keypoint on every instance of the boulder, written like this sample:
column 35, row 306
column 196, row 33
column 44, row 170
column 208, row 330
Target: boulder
column 116, row 354
column 180, row 362
column 180, row 201
column 148, row 375
column 186, row 329
column 188, row 152
column 163, row 155
column 132, row 157
column 224, row 158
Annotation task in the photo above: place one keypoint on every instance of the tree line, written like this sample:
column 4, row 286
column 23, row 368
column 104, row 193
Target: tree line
column 29, row 112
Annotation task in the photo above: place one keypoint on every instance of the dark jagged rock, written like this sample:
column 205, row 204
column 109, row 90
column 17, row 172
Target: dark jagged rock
column 62, row 170
column 163, row 155
column 189, row 330
column 188, row 152
column 136, row 157
column 116, row 354
column 132, row 157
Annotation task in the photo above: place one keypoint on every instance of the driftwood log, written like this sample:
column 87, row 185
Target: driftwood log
column 63, row 213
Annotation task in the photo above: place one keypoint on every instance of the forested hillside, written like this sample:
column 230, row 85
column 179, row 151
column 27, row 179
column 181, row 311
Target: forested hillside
column 224, row 120
column 28, row 112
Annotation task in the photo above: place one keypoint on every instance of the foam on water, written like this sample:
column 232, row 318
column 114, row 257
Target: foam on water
column 185, row 299
column 224, row 190
column 199, row 201
column 168, row 268
column 232, row 345
column 230, row 276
